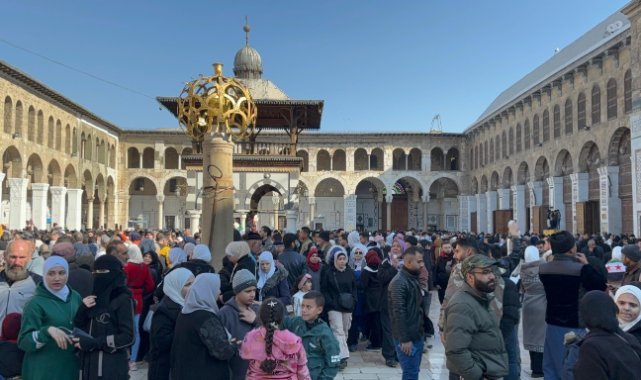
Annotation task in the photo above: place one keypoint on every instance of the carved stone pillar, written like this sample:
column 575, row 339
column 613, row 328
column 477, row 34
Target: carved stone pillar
column 39, row 204
column 58, row 205
column 18, row 203
column 579, row 193
column 74, row 206
column 481, row 212
column 518, row 206
column 610, row 203
column 161, row 213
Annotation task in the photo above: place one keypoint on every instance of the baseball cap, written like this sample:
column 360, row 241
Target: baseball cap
column 476, row 261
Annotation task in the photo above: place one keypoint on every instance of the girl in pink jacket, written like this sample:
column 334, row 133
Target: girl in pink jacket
column 274, row 354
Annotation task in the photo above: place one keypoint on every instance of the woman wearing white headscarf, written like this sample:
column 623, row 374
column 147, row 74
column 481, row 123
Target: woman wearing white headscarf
column 628, row 300
column 534, row 305
column 46, row 322
column 201, row 346
column 176, row 285
column 199, row 261
column 272, row 279
column 140, row 282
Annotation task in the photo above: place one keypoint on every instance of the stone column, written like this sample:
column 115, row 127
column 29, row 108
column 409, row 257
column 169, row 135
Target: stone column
column 292, row 221
column 349, row 212
column 481, row 210
column 311, row 201
column 555, row 185
column 425, row 200
column 471, row 202
column 491, row 206
column 518, row 202
column 58, row 205
column 276, row 206
column 610, row 203
column 388, row 205
column 579, row 193
column 464, row 213
column 504, row 199
column 180, row 161
column 633, row 12
column 18, row 203
column 39, row 205
column 89, row 221
column 194, row 220
column 140, row 160
column 536, row 198
column 2, row 175
column 242, row 214
column 218, row 206
column 161, row 213
column 101, row 213
column 74, row 205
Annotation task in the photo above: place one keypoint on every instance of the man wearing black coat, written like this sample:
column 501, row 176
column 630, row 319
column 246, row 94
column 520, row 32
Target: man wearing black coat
column 293, row 261
column 404, row 301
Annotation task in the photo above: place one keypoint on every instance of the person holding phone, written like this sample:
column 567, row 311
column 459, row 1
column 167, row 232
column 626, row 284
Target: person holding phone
column 47, row 322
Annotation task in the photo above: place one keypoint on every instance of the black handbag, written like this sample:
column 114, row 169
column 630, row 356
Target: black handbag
column 345, row 300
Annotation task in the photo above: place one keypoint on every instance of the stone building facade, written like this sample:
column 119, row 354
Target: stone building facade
column 559, row 138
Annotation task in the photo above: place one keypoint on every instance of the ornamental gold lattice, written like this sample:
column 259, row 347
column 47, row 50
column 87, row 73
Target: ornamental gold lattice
column 216, row 104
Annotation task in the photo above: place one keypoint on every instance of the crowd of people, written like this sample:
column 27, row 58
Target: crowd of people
column 95, row 304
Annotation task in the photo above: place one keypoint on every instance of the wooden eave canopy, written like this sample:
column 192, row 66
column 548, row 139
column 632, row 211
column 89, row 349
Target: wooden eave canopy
column 274, row 114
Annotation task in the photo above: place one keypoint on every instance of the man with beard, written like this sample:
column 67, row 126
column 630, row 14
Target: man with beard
column 17, row 284
column 474, row 348
column 405, row 312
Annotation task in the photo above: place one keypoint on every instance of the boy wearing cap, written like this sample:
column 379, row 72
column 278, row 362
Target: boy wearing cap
column 474, row 347
column 239, row 316
column 321, row 346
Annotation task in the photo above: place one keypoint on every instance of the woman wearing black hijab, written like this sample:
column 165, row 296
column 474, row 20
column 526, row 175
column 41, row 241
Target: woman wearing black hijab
column 606, row 352
column 107, row 316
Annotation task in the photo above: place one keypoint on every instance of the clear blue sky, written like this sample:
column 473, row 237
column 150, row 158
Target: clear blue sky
column 379, row 65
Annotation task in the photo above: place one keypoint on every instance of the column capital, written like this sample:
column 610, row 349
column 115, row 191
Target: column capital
column 39, row 187
column 194, row 213
column 74, row 191
column 58, row 190
column 389, row 198
column 608, row 170
column 160, row 198
column 425, row 198
column 311, row 200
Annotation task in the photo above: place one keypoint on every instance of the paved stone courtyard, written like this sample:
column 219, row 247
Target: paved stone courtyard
column 369, row 365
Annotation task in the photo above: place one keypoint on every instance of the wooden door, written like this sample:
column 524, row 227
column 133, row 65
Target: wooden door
column 501, row 218
column 399, row 214
column 580, row 217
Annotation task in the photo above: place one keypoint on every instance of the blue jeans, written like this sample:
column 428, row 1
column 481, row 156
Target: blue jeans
column 411, row 365
column 513, row 354
column 136, row 345
column 554, row 351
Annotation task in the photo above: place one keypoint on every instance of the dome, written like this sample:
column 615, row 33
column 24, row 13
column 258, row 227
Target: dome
column 247, row 63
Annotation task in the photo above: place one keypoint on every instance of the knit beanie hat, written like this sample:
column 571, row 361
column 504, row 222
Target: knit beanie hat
column 242, row 280
column 632, row 252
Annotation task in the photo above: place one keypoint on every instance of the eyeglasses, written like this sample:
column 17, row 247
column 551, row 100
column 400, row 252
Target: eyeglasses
column 483, row 272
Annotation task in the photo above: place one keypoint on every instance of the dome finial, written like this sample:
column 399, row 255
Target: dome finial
column 247, row 29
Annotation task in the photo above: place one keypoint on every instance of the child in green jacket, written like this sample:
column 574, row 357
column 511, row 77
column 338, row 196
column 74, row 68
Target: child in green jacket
column 323, row 353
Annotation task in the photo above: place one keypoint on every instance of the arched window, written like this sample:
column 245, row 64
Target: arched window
column 59, row 136
column 536, row 137
column 133, row 158
column 483, row 154
column 68, row 139
column 19, row 115
column 546, row 126
column 399, row 160
column 491, row 150
column 40, row 134
column 414, row 159
column 339, row 161
column 148, row 158
column 611, row 96
column 568, row 117
column 526, row 135
column 476, row 157
column 504, row 144
column 596, row 105
column 31, row 124
column 376, row 159
column 497, row 145
column 50, row 132
column 74, row 142
column 581, row 112
column 323, row 161
column 627, row 91
column 360, row 160
column 557, row 121
column 519, row 136
column 8, row 115
column 510, row 138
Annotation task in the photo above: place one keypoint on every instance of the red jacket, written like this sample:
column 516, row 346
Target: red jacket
column 140, row 282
